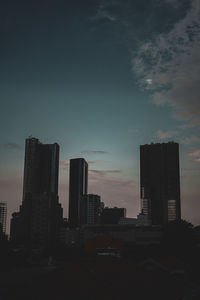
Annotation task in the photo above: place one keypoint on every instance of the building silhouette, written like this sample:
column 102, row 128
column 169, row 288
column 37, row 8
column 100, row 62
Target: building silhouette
column 91, row 207
column 16, row 229
column 160, row 182
column 3, row 216
column 78, row 186
column 112, row 215
column 40, row 168
column 37, row 224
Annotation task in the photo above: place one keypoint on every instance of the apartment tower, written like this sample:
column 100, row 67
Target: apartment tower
column 38, row 222
column 160, row 182
column 78, row 186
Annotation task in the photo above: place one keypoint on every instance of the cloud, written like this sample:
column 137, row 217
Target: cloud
column 93, row 152
column 103, row 13
column 196, row 160
column 172, row 61
column 104, row 172
column 149, row 81
column 13, row 146
column 195, row 153
column 190, row 140
column 91, row 162
column 115, row 191
column 175, row 3
column 190, row 169
column 64, row 164
column 166, row 134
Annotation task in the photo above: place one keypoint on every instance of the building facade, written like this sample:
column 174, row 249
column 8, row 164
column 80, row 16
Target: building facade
column 37, row 224
column 3, row 217
column 160, row 182
column 78, row 186
column 40, row 168
column 91, row 207
column 112, row 215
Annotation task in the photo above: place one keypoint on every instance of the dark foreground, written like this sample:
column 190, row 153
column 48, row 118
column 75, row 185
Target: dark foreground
column 93, row 278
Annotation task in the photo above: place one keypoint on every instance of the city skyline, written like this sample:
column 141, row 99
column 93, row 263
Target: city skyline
column 101, row 78
column 67, row 164
column 41, row 172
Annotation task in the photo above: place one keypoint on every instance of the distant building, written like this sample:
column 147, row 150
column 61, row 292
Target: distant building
column 3, row 217
column 127, row 221
column 16, row 229
column 103, row 245
column 78, row 185
column 160, row 182
column 90, row 209
column 112, row 215
column 64, row 227
column 136, row 235
column 37, row 225
column 71, row 236
column 126, row 233
column 141, row 220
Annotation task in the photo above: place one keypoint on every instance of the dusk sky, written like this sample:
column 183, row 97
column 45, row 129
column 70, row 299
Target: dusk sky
column 100, row 78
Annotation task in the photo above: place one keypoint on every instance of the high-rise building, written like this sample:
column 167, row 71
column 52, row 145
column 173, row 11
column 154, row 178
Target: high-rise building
column 3, row 216
column 91, row 207
column 160, row 182
column 38, row 222
column 78, row 185
column 40, row 168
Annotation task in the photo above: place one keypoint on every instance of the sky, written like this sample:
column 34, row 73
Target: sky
column 100, row 78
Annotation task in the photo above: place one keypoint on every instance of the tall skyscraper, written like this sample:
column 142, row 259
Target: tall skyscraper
column 40, row 168
column 78, row 186
column 160, row 182
column 3, row 216
column 37, row 223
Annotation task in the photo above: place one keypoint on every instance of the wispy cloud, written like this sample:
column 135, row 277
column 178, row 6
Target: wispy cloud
column 64, row 164
column 190, row 140
column 13, row 146
column 93, row 152
column 195, row 153
column 191, row 169
column 175, row 3
column 166, row 134
column 92, row 162
column 197, row 160
column 103, row 13
column 115, row 191
column 172, row 62
column 104, row 172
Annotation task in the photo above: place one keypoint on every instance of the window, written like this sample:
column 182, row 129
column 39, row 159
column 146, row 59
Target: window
column 171, row 210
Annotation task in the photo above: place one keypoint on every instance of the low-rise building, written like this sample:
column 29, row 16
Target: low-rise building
column 112, row 215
